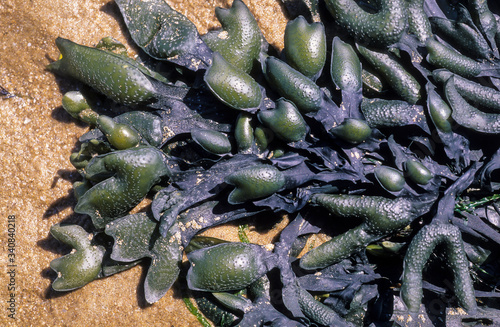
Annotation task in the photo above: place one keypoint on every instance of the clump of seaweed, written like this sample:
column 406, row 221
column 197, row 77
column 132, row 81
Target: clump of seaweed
column 382, row 147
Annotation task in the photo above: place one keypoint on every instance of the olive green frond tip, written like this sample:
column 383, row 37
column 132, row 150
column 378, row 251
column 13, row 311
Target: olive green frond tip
column 87, row 151
column 352, row 130
column 108, row 73
column 226, row 267
column 254, row 182
column 215, row 311
column 78, row 268
column 132, row 236
column 163, row 270
column 390, row 179
column 240, row 40
column 285, row 121
column 54, row 67
column 231, row 85
column 305, row 46
column 212, row 141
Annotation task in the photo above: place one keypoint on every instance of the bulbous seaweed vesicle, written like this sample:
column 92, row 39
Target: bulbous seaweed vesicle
column 240, row 40
column 380, row 29
column 352, row 130
column 468, row 116
column 389, row 178
column 231, row 85
column 440, row 112
column 442, row 56
column 293, row 85
column 421, row 247
column 381, row 113
column 74, row 102
column 403, row 83
column 78, row 268
column 225, row 267
column 380, row 216
column 106, row 72
column 78, row 107
column 254, row 182
column 345, row 68
column 285, row 121
column 305, row 46
column 120, row 136
column 215, row 139
column 417, row 171
column 243, row 132
column 131, row 174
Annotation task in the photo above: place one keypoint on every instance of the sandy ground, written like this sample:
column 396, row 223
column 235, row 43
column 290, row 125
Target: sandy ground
column 36, row 140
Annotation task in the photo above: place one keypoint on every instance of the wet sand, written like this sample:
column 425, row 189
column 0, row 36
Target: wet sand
column 36, row 140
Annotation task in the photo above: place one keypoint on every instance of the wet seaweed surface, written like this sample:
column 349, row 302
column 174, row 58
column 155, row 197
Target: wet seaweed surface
column 369, row 127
